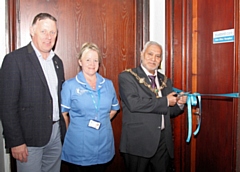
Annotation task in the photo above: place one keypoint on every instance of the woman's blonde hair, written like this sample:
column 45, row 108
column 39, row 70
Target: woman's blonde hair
column 90, row 46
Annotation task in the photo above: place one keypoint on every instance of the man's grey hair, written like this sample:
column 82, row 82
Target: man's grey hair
column 149, row 43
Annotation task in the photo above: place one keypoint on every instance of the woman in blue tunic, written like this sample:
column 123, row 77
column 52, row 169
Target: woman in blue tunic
column 89, row 102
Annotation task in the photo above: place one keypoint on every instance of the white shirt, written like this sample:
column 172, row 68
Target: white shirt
column 51, row 77
column 159, row 92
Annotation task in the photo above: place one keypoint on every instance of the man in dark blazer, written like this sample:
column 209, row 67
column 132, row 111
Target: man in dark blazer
column 146, row 140
column 30, row 83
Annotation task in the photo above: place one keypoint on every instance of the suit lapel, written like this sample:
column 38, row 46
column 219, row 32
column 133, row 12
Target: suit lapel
column 160, row 79
column 140, row 72
column 35, row 62
column 58, row 71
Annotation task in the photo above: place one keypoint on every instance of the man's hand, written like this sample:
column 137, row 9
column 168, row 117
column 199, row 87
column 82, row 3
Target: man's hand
column 20, row 152
column 172, row 98
column 182, row 98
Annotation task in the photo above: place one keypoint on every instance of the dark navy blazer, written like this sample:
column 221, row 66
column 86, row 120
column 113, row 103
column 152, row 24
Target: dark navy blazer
column 25, row 101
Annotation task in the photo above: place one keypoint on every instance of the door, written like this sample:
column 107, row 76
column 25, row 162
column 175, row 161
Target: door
column 115, row 26
column 199, row 65
column 216, row 73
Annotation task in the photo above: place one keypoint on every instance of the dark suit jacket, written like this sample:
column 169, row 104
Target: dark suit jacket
column 142, row 115
column 25, row 100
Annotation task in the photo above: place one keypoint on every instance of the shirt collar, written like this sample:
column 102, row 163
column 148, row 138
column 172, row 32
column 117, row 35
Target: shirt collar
column 148, row 73
column 81, row 79
column 50, row 56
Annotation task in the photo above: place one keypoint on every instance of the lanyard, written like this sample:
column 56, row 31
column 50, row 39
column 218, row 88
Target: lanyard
column 96, row 105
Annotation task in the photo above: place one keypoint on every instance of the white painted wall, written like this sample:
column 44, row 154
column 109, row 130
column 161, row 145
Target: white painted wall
column 157, row 26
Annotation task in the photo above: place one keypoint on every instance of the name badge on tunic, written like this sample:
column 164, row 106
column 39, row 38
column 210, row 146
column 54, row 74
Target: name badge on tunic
column 94, row 124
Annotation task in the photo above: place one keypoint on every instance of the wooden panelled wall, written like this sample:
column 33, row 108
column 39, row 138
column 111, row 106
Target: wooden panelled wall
column 119, row 28
column 192, row 61
column 196, row 64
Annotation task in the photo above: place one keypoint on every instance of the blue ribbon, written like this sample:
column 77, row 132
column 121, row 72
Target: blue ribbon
column 192, row 101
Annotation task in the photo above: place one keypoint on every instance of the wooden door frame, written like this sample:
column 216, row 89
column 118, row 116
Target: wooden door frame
column 142, row 27
column 178, row 56
column 237, row 80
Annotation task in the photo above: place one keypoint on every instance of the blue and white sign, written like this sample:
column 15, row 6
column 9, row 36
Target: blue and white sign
column 223, row 36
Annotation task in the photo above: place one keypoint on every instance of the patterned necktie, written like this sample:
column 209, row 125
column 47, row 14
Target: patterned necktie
column 152, row 77
column 153, row 85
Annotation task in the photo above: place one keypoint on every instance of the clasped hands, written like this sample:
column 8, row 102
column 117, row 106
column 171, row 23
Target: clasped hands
column 174, row 98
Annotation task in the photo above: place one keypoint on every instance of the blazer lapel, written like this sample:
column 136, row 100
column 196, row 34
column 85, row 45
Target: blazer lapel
column 58, row 71
column 142, row 74
column 160, row 79
column 35, row 62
